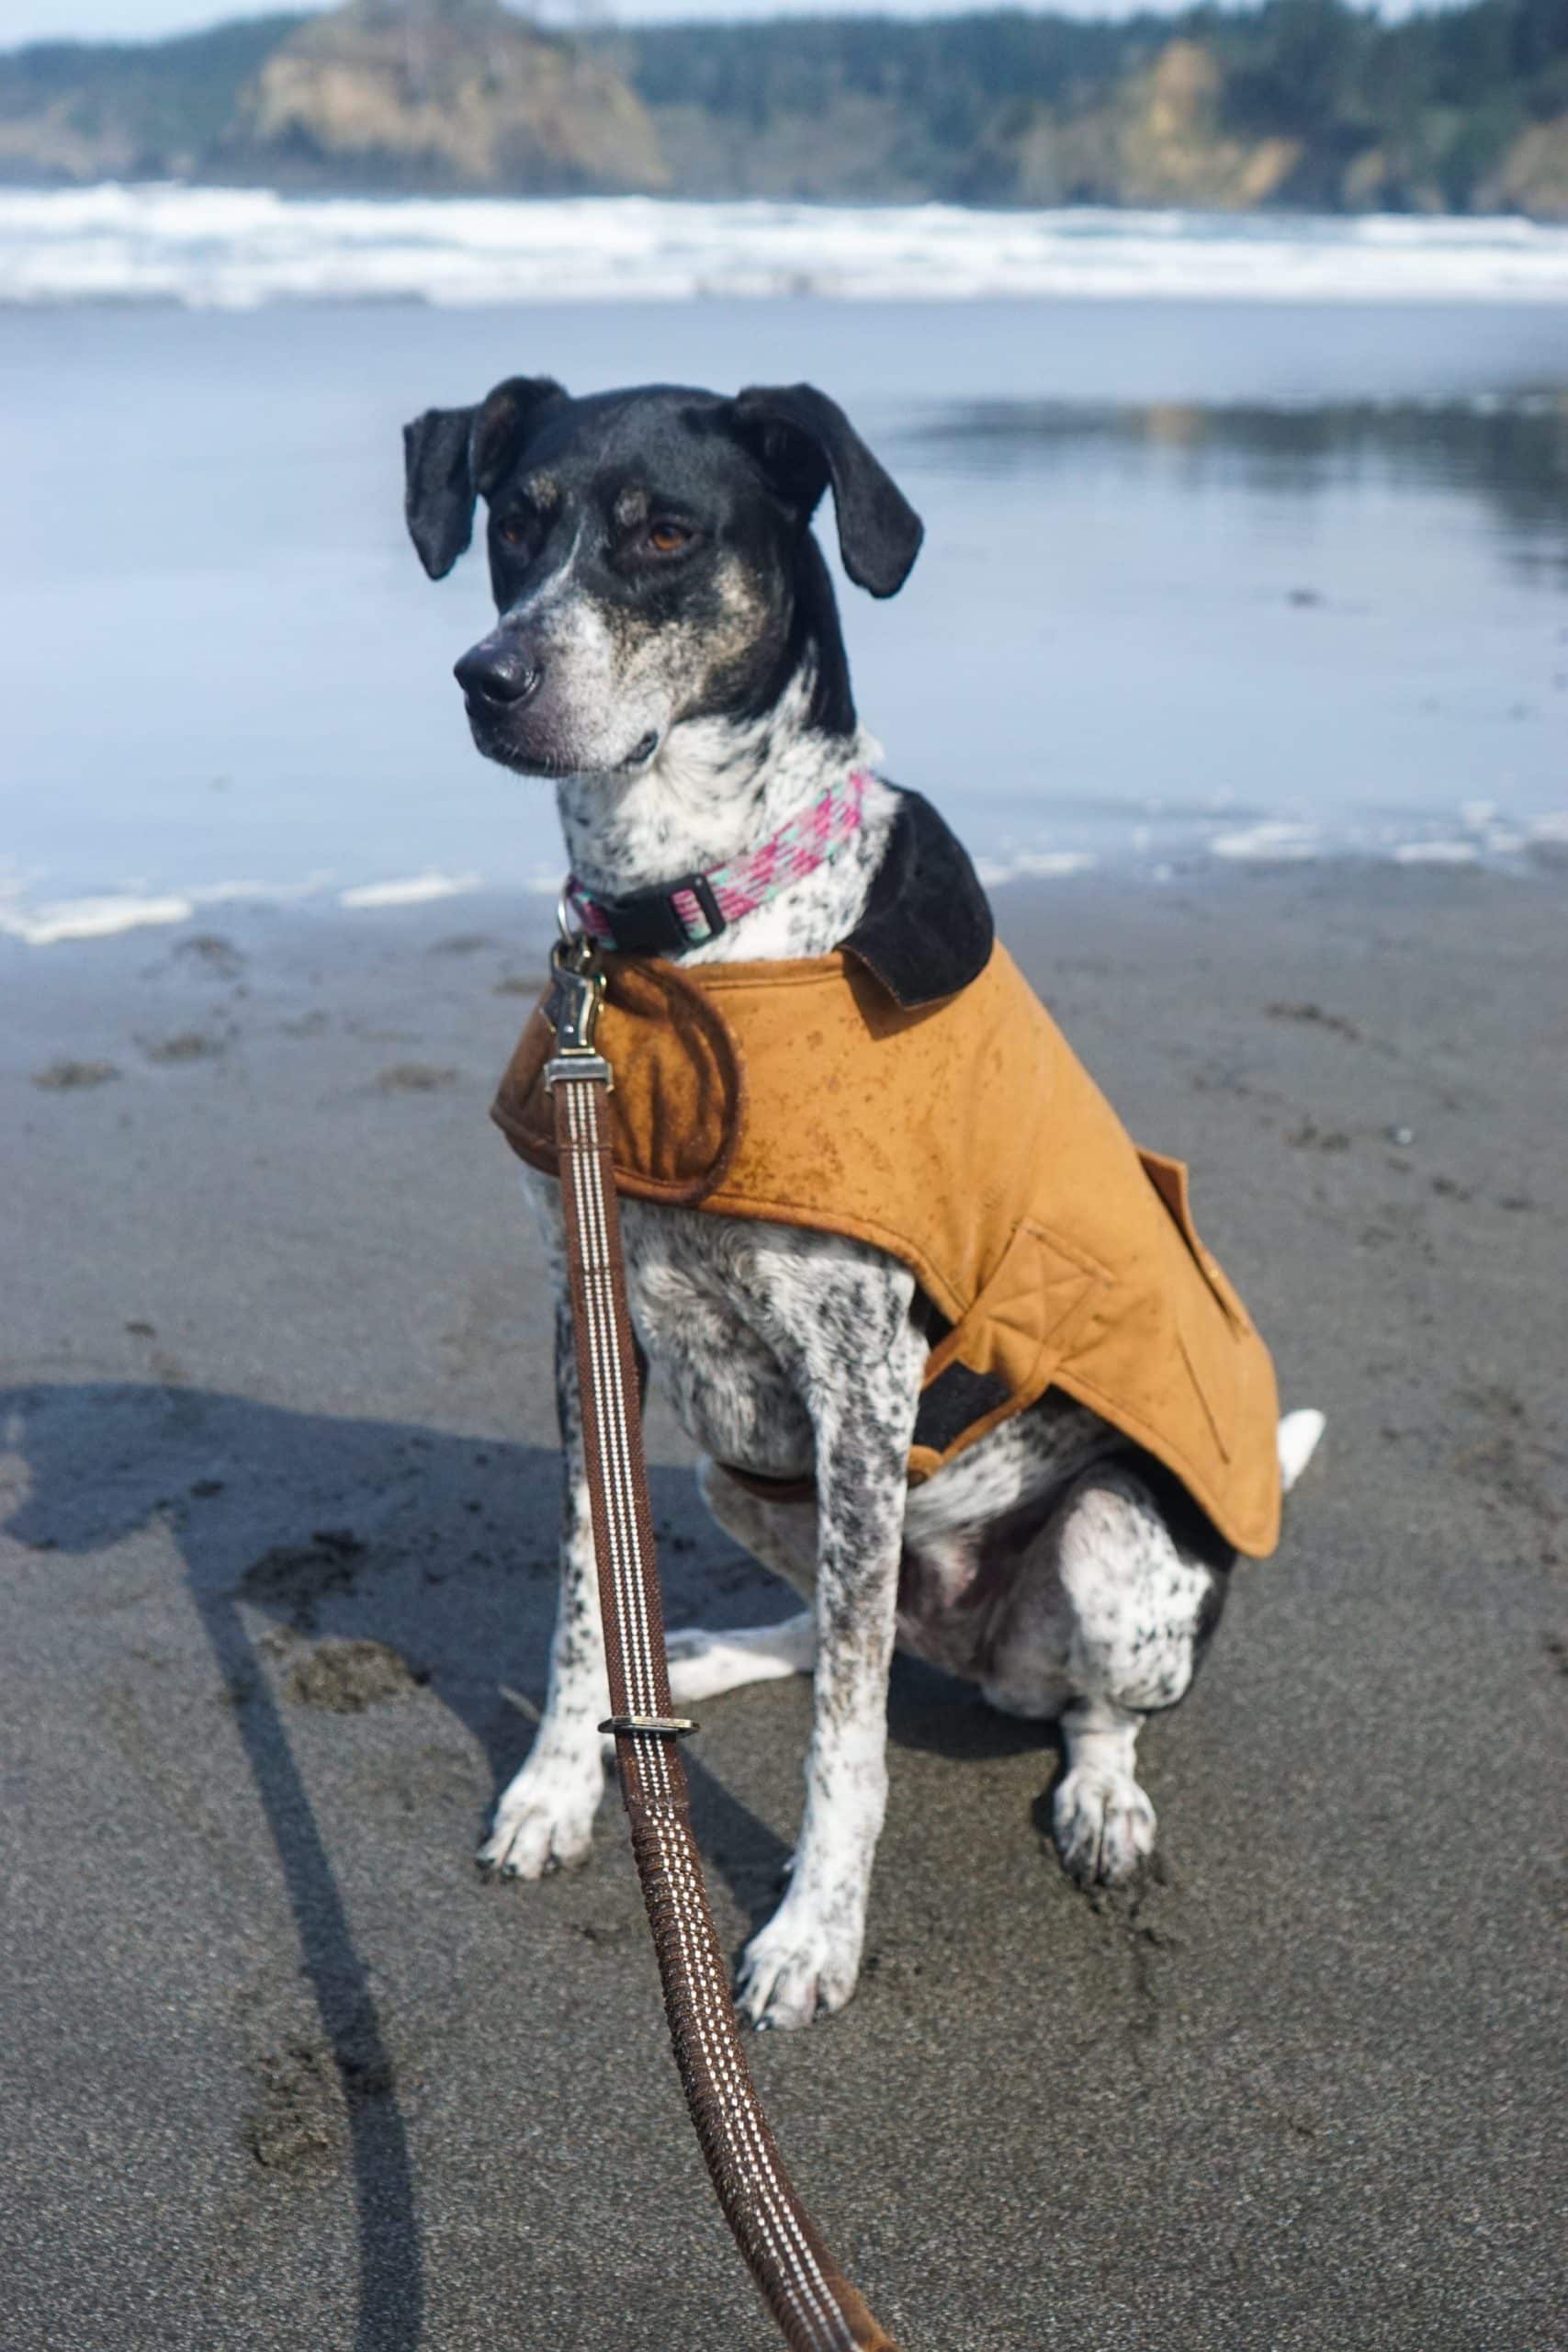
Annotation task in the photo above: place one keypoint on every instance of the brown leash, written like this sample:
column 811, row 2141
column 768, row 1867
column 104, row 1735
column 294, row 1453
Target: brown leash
column 812, row 2303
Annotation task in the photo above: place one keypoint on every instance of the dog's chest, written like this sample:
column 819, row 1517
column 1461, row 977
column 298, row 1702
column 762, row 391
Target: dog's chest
column 723, row 1309
column 705, row 1303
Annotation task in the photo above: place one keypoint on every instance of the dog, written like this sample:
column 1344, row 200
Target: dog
column 668, row 651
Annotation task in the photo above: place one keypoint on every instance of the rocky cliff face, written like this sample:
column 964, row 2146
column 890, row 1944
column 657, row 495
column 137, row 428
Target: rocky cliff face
column 1157, row 140
column 49, row 144
column 385, row 93
column 1534, row 173
column 448, row 93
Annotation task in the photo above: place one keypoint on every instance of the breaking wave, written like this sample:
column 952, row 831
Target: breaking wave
column 238, row 248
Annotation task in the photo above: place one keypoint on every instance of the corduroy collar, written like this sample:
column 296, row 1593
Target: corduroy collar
column 927, row 930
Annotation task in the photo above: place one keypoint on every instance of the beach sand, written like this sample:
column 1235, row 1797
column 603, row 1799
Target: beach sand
column 280, row 1496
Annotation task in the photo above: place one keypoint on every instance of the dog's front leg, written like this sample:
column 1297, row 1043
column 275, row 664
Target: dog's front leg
column 804, row 1962
column 545, row 1819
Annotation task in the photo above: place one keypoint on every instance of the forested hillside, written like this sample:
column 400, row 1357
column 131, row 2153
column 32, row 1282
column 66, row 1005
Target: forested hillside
column 1305, row 102
column 1298, row 103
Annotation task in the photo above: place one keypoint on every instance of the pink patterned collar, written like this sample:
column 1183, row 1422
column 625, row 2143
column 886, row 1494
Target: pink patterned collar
column 690, row 913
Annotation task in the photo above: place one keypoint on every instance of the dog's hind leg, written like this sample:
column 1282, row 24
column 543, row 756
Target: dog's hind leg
column 704, row 1665
column 1115, row 1621
column 1102, row 1821
column 1143, row 1605
column 782, row 1536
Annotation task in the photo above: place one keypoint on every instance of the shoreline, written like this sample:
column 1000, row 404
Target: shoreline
column 1531, row 850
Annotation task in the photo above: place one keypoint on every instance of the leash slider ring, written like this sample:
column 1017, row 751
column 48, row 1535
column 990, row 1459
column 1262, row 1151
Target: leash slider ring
column 673, row 1726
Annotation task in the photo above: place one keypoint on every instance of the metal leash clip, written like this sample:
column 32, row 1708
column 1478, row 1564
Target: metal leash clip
column 577, row 995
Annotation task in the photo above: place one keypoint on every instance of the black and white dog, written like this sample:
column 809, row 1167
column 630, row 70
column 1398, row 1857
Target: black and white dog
column 668, row 651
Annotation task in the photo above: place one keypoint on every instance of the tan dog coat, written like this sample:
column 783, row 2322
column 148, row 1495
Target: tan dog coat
column 964, row 1139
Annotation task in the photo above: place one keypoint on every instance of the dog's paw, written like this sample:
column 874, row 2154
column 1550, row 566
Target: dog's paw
column 798, row 1967
column 544, row 1821
column 702, row 1665
column 1104, row 1826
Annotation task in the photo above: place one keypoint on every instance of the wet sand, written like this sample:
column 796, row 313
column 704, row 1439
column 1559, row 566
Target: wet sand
column 278, row 1487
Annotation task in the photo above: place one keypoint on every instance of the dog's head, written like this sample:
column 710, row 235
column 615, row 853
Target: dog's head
column 651, row 553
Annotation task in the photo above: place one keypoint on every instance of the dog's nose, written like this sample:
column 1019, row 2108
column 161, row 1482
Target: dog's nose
column 498, row 670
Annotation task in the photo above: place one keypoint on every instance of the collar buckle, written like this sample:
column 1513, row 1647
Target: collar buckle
column 650, row 921
column 702, row 890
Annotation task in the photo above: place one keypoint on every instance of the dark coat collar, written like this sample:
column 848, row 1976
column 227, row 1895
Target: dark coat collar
column 927, row 930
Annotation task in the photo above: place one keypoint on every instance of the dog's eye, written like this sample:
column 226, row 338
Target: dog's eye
column 514, row 529
column 669, row 538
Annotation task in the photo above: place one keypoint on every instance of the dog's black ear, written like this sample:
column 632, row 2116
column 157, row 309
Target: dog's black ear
column 451, row 455
column 803, row 441
column 438, row 486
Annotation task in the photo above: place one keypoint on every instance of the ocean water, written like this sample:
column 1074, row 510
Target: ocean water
column 1213, row 571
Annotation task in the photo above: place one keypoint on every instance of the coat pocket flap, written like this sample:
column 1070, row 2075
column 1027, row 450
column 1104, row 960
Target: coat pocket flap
column 1170, row 1180
column 999, row 1356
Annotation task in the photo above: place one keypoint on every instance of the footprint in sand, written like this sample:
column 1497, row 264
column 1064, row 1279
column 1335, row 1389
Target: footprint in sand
column 347, row 1677
column 185, row 1046
column 415, row 1078
column 64, row 1077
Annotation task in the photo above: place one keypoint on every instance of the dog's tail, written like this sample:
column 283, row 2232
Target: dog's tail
column 1298, row 1436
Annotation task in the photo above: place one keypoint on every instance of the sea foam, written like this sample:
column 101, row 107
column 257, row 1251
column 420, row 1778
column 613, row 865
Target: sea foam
column 237, row 248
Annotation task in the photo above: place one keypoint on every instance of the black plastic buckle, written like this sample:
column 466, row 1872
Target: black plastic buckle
column 650, row 923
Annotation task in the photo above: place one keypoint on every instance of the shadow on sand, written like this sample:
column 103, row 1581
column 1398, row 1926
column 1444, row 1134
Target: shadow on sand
column 441, row 1547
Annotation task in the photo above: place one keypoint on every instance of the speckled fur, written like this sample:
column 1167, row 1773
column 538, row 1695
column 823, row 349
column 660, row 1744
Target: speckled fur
column 781, row 1350
column 1041, row 1564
